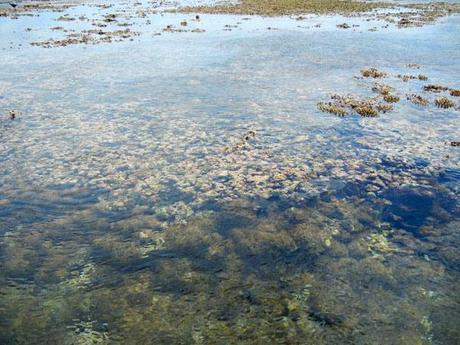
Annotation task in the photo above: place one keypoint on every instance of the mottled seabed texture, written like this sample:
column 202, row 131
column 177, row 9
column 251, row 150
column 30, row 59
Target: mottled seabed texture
column 180, row 178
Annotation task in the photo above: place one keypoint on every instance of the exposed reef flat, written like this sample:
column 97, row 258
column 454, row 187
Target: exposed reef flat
column 289, row 7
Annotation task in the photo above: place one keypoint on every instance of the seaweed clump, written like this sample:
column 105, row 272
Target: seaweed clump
column 390, row 98
column 287, row 7
column 372, row 73
column 94, row 36
column 417, row 99
column 434, row 88
column 330, row 107
column 383, row 108
column 444, row 102
column 385, row 91
column 382, row 89
column 344, row 105
column 455, row 92
column 366, row 110
column 407, row 77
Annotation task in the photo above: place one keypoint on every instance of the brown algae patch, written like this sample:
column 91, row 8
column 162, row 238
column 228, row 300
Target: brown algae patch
column 287, row 7
column 65, row 18
column 383, row 108
column 88, row 37
column 330, row 107
column 27, row 9
column 371, row 107
column 407, row 77
column 366, row 110
column 418, row 100
column 435, row 88
column 405, row 16
column 344, row 105
column 382, row 89
column 444, row 102
column 172, row 29
column 422, row 77
column 390, row 98
column 418, row 15
column 372, row 73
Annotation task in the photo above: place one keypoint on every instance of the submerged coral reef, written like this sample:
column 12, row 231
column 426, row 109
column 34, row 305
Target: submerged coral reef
column 301, row 272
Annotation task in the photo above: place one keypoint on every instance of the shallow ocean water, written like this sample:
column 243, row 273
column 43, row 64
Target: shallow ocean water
column 134, row 210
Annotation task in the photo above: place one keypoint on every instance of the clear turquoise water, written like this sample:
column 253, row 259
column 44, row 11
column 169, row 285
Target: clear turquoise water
column 130, row 214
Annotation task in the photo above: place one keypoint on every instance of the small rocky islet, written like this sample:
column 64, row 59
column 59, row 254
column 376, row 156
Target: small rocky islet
column 159, row 186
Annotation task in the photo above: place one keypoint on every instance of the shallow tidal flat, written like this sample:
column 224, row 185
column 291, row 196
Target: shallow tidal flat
column 177, row 173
